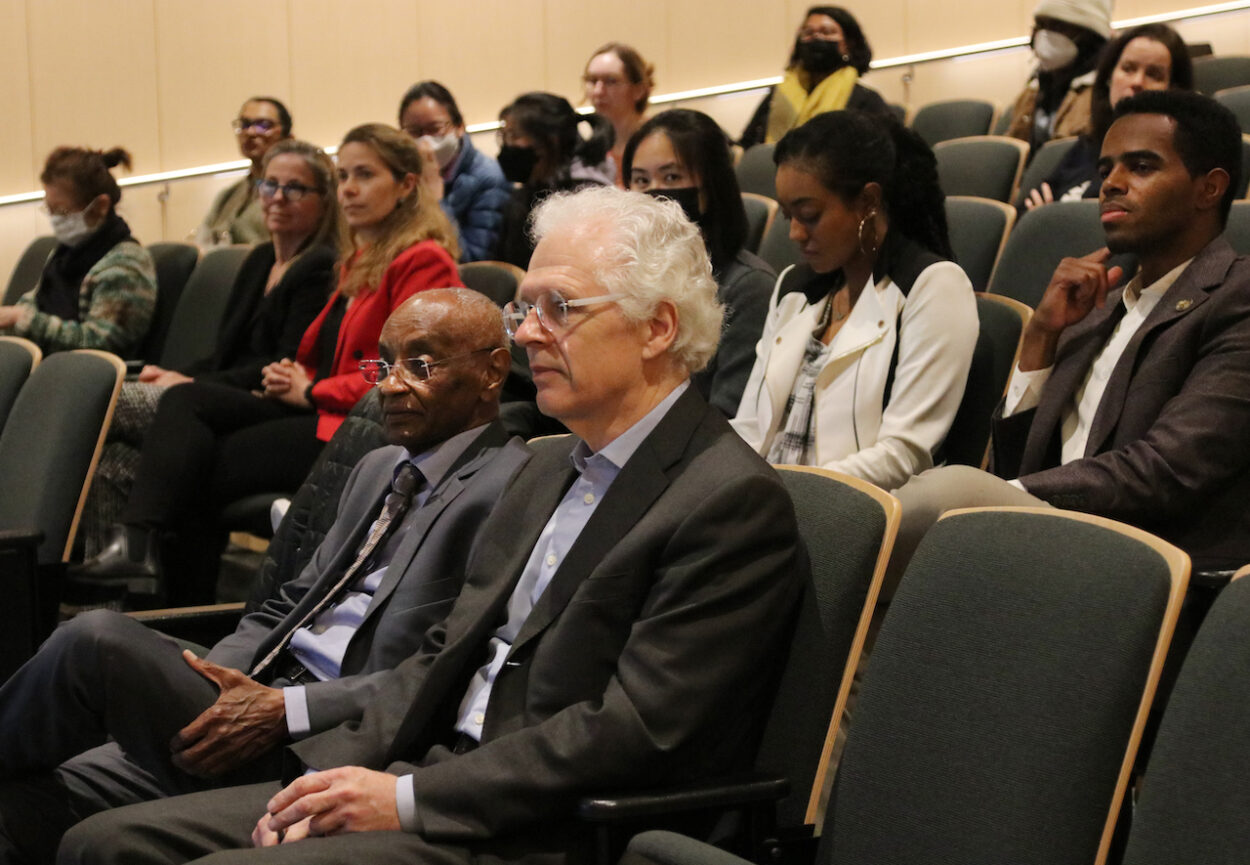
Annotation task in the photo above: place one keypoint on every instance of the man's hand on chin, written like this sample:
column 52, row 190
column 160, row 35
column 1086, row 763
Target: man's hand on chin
column 347, row 799
column 247, row 720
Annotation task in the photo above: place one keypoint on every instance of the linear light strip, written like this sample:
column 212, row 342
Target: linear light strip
column 702, row 92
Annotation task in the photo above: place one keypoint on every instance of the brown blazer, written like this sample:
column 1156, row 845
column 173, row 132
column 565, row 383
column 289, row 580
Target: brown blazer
column 650, row 659
column 1169, row 448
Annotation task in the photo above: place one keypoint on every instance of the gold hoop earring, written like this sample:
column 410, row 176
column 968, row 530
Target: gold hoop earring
column 868, row 253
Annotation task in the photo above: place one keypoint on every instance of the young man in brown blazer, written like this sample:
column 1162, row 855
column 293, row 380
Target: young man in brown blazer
column 1134, row 403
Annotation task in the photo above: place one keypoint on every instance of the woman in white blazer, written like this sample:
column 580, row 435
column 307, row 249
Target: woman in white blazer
column 867, row 344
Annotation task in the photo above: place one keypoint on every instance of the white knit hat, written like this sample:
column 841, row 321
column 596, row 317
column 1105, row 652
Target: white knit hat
column 1091, row 14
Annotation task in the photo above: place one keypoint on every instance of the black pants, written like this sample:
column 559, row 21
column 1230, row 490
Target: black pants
column 210, row 445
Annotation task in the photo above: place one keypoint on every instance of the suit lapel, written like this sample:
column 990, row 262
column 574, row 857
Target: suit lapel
column 1188, row 293
column 641, row 481
column 475, row 456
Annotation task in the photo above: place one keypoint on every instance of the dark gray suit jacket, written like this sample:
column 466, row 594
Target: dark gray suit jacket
column 650, row 659
column 1168, row 449
column 421, row 582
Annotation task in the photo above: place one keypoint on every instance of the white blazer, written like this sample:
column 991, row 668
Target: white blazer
column 851, row 434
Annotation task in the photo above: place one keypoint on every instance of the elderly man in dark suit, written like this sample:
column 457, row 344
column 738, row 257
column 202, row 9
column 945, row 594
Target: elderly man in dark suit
column 1135, row 404
column 622, row 622
column 310, row 657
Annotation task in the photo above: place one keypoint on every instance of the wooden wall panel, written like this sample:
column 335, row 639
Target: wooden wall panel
column 931, row 26
column 93, row 77
column 575, row 28
column 487, row 53
column 744, row 39
column 210, row 58
column 350, row 63
column 20, row 167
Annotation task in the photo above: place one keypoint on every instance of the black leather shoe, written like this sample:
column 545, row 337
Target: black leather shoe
column 129, row 560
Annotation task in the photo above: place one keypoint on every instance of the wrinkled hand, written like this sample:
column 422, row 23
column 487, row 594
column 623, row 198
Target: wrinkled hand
column 9, row 316
column 1038, row 197
column 286, row 381
column 1078, row 285
column 247, row 720
column 431, row 175
column 347, row 799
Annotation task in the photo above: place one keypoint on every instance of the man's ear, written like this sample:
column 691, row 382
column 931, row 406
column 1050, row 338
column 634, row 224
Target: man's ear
column 1211, row 188
column 660, row 330
column 497, row 368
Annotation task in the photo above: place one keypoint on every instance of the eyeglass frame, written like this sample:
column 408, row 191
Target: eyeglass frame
column 411, row 368
column 287, row 188
column 263, row 125
column 514, row 316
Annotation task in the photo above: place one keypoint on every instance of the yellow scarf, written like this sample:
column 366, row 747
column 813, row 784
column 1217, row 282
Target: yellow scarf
column 792, row 105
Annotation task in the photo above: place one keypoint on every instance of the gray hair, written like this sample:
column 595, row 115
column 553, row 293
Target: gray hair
column 650, row 252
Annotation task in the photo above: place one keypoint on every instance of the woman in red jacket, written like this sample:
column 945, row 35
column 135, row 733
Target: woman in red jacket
column 210, row 446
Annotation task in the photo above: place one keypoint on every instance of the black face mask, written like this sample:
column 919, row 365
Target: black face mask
column 517, row 162
column 820, row 57
column 686, row 196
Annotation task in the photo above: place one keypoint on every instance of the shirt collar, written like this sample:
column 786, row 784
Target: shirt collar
column 620, row 449
column 436, row 462
column 1134, row 293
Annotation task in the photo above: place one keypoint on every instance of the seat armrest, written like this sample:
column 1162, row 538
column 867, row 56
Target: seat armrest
column 727, row 794
column 202, row 625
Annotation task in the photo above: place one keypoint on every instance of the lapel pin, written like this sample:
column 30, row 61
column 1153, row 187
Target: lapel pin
column 1182, row 305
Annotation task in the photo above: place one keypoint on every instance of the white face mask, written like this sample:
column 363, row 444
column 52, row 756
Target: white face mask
column 70, row 228
column 1053, row 50
column 445, row 147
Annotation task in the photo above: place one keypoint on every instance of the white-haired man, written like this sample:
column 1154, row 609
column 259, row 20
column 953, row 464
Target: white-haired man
column 622, row 626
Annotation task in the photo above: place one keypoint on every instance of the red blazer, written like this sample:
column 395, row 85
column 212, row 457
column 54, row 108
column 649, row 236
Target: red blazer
column 421, row 266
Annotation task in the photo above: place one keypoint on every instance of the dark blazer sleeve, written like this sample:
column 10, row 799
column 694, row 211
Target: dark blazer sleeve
column 363, row 489
column 745, row 288
column 729, row 567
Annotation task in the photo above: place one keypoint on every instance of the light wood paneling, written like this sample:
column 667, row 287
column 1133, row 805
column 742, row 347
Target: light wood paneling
column 210, row 58
column 350, row 63
column 141, row 208
column 1228, row 34
column 487, row 53
column 20, row 167
column 931, row 26
column 93, row 77
column 575, row 28
column 737, row 43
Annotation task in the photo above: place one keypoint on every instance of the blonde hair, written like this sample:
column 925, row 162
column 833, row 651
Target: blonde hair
column 416, row 218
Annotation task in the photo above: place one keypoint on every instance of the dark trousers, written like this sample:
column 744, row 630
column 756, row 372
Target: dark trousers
column 101, row 675
column 210, row 445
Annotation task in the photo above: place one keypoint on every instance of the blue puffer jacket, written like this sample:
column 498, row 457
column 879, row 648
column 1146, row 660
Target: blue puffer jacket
column 474, row 198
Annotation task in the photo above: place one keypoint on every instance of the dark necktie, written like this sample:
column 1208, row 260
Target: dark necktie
column 406, row 482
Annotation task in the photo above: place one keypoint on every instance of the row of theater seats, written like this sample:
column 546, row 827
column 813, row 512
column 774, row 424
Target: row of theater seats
column 1225, row 78
column 998, row 719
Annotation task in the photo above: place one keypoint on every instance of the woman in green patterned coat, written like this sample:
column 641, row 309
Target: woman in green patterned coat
column 98, row 288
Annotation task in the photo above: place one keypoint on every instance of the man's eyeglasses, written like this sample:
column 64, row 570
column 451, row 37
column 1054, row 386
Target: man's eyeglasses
column 259, row 124
column 292, row 192
column 552, row 309
column 409, row 368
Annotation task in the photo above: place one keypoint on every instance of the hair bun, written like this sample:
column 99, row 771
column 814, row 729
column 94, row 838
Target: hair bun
column 116, row 156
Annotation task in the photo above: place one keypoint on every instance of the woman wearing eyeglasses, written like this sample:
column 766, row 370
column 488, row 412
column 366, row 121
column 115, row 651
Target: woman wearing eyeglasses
column 235, row 215
column 98, row 288
column 227, row 444
column 281, row 287
column 618, row 84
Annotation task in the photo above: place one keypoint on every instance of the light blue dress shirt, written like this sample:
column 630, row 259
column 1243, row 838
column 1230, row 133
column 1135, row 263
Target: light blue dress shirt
column 322, row 644
column 596, row 472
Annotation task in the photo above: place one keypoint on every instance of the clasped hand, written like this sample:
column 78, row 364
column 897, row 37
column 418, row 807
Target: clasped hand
column 286, row 381
column 333, row 802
